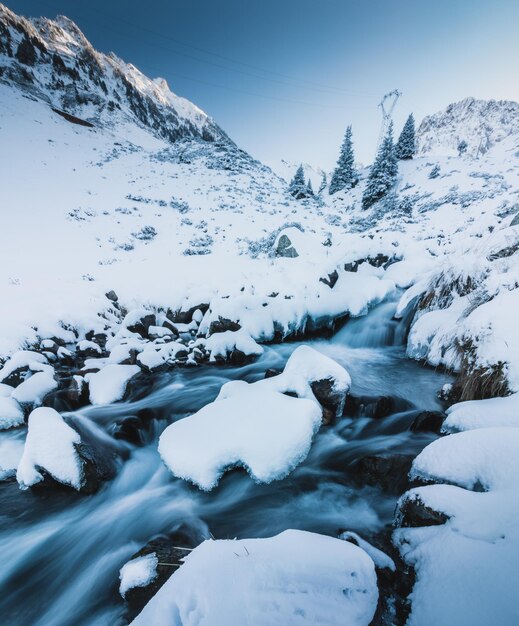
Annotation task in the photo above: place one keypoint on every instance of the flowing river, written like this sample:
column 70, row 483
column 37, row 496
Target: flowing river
column 61, row 552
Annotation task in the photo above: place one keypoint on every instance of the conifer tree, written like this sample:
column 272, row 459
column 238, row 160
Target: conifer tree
column 406, row 145
column 344, row 175
column 309, row 188
column 297, row 185
column 383, row 172
column 324, row 182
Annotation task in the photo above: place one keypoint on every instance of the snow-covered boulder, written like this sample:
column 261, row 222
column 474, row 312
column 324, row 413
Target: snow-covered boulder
column 483, row 414
column 257, row 426
column 138, row 572
column 34, row 389
column 11, row 451
column 19, row 363
column 109, row 384
column 51, row 448
column 466, row 550
column 11, row 413
column 293, row 578
column 223, row 345
column 264, row 431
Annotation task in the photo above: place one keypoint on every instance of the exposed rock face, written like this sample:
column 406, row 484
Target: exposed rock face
column 478, row 123
column 387, row 471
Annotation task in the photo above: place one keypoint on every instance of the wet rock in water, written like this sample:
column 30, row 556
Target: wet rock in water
column 222, row 324
column 71, row 395
column 377, row 407
column 272, row 372
column 387, row 471
column 330, row 398
column 130, row 429
column 428, row 421
column 413, row 512
column 169, row 551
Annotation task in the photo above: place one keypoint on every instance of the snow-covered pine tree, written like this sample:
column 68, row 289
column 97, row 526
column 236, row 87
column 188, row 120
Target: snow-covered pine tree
column 344, row 175
column 323, row 183
column 297, row 185
column 309, row 188
column 383, row 172
column 406, row 146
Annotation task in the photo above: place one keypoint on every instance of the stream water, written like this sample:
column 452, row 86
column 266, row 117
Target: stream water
column 61, row 552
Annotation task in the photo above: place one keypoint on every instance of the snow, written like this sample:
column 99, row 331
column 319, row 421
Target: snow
column 255, row 425
column 483, row 414
column 34, row 389
column 138, row 572
column 380, row 559
column 50, row 446
column 11, row 451
column 268, row 433
column 221, row 344
column 35, row 361
column 293, row 578
column 466, row 567
column 109, row 384
column 11, row 413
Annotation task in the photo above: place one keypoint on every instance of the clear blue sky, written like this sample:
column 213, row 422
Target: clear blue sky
column 285, row 77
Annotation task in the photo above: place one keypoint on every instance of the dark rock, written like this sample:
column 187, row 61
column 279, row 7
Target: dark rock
column 17, row 376
column 185, row 317
column 70, row 395
column 331, row 400
column 285, row 248
column 111, row 295
column 130, row 429
column 428, row 421
column 385, row 406
column 413, row 512
column 272, row 372
column 142, row 326
column 387, row 471
column 331, row 280
column 223, row 324
column 170, row 326
column 170, row 550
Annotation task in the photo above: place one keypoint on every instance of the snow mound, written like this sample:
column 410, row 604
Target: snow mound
column 11, row 451
column 256, row 425
column 222, row 344
column 466, row 567
column 11, row 413
column 34, row 389
column 34, row 361
column 266, row 432
column 291, row 579
column 109, row 384
column 138, row 572
column 50, row 446
column 483, row 414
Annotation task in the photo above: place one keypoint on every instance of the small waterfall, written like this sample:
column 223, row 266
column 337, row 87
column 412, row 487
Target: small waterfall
column 377, row 329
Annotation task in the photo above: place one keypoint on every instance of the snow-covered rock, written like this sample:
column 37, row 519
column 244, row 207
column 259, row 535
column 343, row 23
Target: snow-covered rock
column 51, row 446
column 293, row 578
column 11, row 413
column 465, row 566
column 34, row 389
column 109, row 383
column 11, row 451
column 138, row 572
column 483, row 414
column 223, row 344
column 257, row 426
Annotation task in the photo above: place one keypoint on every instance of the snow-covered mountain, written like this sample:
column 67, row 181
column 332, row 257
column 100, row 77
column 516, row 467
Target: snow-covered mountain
column 53, row 61
column 480, row 123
